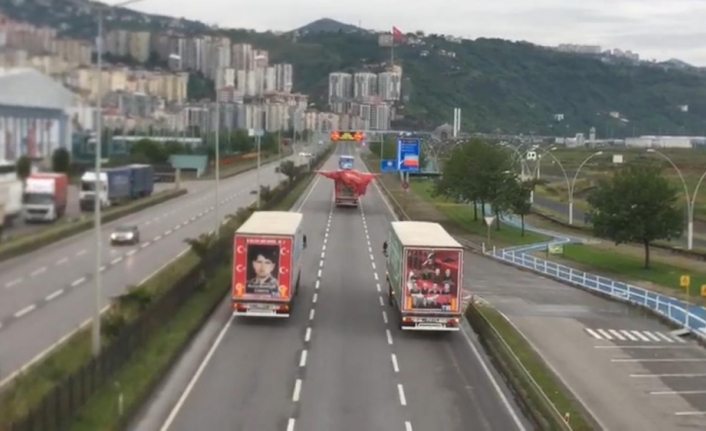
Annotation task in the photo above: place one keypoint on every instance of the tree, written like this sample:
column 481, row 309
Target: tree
column 152, row 150
column 519, row 198
column 638, row 204
column 61, row 161
column 268, row 142
column 23, row 168
column 289, row 169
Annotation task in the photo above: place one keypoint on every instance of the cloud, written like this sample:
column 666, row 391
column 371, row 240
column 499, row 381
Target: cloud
column 654, row 28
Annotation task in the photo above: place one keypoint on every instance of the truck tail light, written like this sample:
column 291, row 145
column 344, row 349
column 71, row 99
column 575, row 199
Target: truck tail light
column 283, row 308
column 452, row 322
column 407, row 319
column 240, row 307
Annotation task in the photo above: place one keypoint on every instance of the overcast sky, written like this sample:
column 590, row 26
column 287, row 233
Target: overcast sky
column 660, row 29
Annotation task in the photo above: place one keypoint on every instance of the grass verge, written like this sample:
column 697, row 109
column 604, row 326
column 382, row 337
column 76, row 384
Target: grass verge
column 624, row 266
column 31, row 242
column 462, row 214
column 545, row 398
column 136, row 379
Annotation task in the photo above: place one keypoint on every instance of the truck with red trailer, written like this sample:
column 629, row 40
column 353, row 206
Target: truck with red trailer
column 349, row 185
column 267, row 257
column 45, row 196
column 424, row 276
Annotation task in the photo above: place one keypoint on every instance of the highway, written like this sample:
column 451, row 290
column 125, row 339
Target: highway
column 340, row 362
column 19, row 227
column 629, row 370
column 47, row 294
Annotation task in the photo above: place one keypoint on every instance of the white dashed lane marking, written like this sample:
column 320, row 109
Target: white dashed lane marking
column 79, row 281
column 39, row 271
column 25, row 311
column 13, row 282
column 54, row 295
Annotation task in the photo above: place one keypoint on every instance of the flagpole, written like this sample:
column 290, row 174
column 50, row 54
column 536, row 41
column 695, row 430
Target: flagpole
column 392, row 52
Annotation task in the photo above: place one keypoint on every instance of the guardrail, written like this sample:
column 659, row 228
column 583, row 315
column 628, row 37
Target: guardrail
column 675, row 310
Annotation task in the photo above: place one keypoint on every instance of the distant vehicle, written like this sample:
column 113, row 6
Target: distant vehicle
column 45, row 197
column 115, row 187
column 345, row 162
column 424, row 276
column 303, row 154
column 125, row 235
column 10, row 199
column 142, row 180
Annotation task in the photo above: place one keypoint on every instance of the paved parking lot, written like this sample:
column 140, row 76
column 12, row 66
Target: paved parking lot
column 670, row 373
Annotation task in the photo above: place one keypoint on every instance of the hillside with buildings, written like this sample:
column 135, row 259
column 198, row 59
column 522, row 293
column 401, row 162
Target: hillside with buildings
column 164, row 73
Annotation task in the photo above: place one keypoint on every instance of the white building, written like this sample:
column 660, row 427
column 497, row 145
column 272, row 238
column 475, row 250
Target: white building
column 390, row 86
column 340, row 86
column 365, row 84
column 660, row 142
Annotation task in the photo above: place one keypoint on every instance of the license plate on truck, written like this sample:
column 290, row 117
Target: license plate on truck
column 263, row 310
column 430, row 324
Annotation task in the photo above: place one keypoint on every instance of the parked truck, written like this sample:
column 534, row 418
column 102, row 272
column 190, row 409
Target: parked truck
column 10, row 199
column 267, row 260
column 424, row 276
column 45, row 197
column 141, row 181
column 114, row 187
column 349, row 185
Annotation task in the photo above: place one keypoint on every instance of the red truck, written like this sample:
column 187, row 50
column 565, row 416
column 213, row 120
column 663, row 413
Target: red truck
column 45, row 196
column 349, row 185
column 267, row 256
column 424, row 276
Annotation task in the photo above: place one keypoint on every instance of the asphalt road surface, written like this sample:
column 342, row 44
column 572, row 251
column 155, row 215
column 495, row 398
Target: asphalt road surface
column 579, row 215
column 630, row 371
column 339, row 363
column 47, row 294
column 19, row 227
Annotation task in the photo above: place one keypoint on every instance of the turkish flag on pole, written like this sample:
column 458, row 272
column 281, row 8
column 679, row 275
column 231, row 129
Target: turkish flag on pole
column 397, row 35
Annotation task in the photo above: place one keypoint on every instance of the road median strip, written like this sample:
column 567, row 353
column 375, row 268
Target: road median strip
column 144, row 332
column 34, row 241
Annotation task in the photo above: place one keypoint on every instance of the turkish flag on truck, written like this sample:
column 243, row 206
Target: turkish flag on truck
column 356, row 180
column 397, row 35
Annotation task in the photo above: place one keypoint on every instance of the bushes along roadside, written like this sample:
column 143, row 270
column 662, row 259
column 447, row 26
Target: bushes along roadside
column 144, row 332
column 31, row 242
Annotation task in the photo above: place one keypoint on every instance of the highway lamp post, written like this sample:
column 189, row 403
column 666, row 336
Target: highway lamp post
column 690, row 198
column 96, row 324
column 259, row 132
column 570, row 184
column 218, row 167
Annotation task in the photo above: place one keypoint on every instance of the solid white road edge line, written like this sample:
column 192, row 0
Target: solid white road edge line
column 197, row 375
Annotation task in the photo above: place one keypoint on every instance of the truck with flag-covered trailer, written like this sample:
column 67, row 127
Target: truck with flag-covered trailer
column 424, row 276
column 267, row 255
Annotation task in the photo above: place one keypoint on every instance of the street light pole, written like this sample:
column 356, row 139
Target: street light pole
column 571, row 184
column 690, row 199
column 96, row 327
column 96, row 324
column 218, row 167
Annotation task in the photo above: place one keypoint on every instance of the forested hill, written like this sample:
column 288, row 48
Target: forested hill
column 509, row 87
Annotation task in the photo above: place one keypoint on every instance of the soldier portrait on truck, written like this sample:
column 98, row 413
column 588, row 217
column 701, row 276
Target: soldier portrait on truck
column 267, row 255
column 424, row 276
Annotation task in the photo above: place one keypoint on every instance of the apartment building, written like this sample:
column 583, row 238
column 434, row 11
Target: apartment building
column 242, row 57
column 225, row 77
column 261, row 59
column 117, row 42
column 20, row 35
column 139, row 45
column 74, row 51
column 339, row 86
column 364, row 84
column 284, row 77
column 390, row 86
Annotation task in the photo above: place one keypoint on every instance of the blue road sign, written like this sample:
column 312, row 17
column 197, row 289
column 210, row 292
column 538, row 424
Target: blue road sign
column 408, row 154
column 389, row 165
